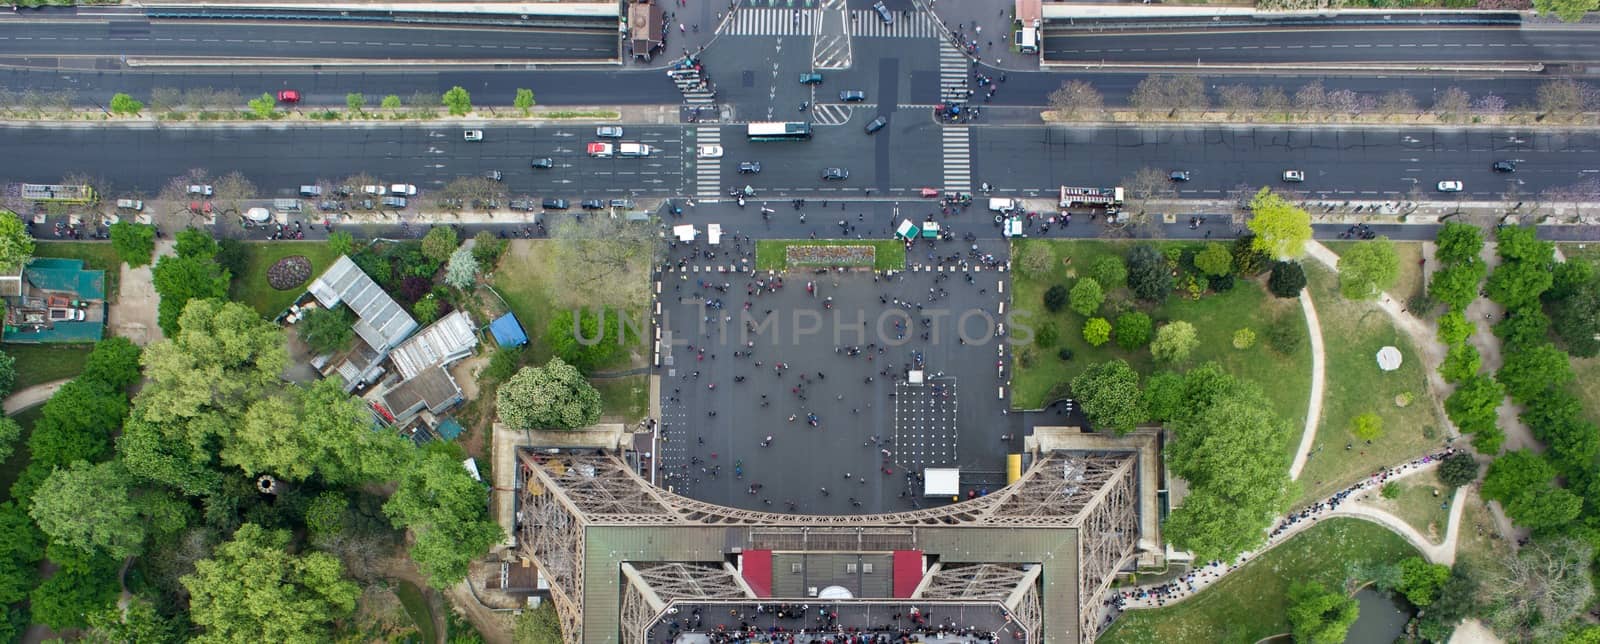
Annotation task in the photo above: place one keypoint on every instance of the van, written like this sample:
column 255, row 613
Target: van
column 633, row 150
column 311, row 191
column 130, row 204
column 555, row 204
column 1002, row 205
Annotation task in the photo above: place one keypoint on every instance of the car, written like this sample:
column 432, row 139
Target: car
column 394, row 202
column 452, row 204
column 1293, row 176
column 472, row 135
column 835, row 174
column 310, row 191
column 1505, row 166
column 544, row 163
column 811, row 78
column 494, row 175
column 523, row 204
column 592, row 204
column 1179, row 175
column 877, row 124
column 708, row 151
column 201, row 190
column 130, row 204
column 376, row 191
column 621, row 203
column 852, row 95
column 330, row 205
column 288, row 96
column 634, row 150
column 609, row 131
column 750, row 167
column 555, row 204
column 883, row 13
column 403, row 189
column 365, row 204
column 1451, row 186
column 600, row 150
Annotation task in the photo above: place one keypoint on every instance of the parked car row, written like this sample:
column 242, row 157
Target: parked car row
column 1299, row 176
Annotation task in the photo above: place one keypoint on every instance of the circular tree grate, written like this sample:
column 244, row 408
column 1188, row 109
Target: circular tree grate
column 289, row 272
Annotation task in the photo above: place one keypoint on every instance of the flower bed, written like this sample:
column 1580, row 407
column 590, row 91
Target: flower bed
column 833, row 255
column 289, row 272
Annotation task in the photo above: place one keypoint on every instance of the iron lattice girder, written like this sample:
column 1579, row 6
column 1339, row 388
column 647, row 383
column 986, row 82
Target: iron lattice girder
column 679, row 581
column 974, row 581
column 1107, row 538
column 1058, row 488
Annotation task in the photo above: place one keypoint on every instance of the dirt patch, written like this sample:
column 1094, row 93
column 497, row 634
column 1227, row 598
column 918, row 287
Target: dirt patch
column 133, row 315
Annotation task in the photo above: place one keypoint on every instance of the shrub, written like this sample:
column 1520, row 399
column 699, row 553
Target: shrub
column 1367, row 426
column 1285, row 335
column 1047, row 335
column 1096, row 331
column 1055, row 298
column 1287, row 280
column 1133, row 330
column 1244, row 339
column 1390, row 490
column 1065, row 354
column 1110, row 272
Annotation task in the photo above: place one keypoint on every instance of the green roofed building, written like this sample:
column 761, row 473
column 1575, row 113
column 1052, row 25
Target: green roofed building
column 54, row 300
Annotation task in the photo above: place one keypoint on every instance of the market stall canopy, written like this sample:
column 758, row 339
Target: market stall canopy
column 684, row 232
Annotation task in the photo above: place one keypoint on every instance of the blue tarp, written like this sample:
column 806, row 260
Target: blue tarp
column 507, row 331
column 449, row 429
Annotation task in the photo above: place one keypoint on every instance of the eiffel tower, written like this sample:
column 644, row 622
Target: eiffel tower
column 629, row 563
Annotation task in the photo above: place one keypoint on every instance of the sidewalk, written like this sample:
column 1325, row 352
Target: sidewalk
column 32, row 396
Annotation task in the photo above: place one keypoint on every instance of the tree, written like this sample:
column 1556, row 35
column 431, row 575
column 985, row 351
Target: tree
column 462, row 271
column 1247, row 259
column 1047, row 335
column 524, row 100
column 8, row 370
column 254, row 589
column 1421, row 581
column 1516, row 473
column 16, row 245
column 316, row 430
column 263, row 106
column 1397, row 101
column 1281, row 228
column 21, row 547
column 1454, row 328
column 1458, row 242
column 1287, row 279
column 1472, row 406
column 1214, row 260
column 1147, row 185
column 1457, row 284
column 76, row 424
column 603, row 261
column 427, row 309
column 1536, row 594
column 1460, row 362
column 1148, row 274
column 1228, row 444
column 1575, row 318
column 10, row 432
column 1458, row 469
column 1566, row 10
column 1163, row 395
column 1529, row 371
column 1367, row 426
column 1319, row 615
column 1564, row 97
column 341, row 242
column 390, row 102
column 443, row 506
column 134, row 242
column 1134, row 329
column 1055, row 298
column 1087, row 296
column 1109, row 395
column 439, row 243
column 184, row 277
column 1174, row 341
column 1368, row 268
column 89, row 507
column 1076, row 98
column 1523, row 327
column 539, row 626
column 138, row 623
column 1522, row 243
column 458, row 100
column 1096, row 331
column 1311, row 98
column 355, row 101
column 124, row 104
column 1237, row 98
column 327, row 330
column 1169, row 93
column 83, row 584
column 554, row 396
column 1110, row 272
column 1545, row 510
column 487, row 249
column 1452, row 103
column 587, row 339
column 1518, row 284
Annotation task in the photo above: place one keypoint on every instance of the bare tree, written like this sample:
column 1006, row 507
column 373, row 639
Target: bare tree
column 1562, row 98
column 1170, row 94
column 1076, row 98
column 163, row 99
column 1146, row 186
column 1273, row 100
column 476, row 192
column 177, row 188
column 1490, row 105
column 232, row 190
column 1452, row 103
column 1241, row 195
column 1397, row 101
column 61, row 100
column 603, row 261
column 1237, row 98
column 423, row 104
column 1344, row 101
column 1537, row 593
column 1311, row 99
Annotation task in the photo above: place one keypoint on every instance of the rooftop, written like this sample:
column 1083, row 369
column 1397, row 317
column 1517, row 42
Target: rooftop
column 381, row 321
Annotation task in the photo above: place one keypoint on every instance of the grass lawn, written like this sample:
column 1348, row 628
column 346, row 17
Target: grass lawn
column 771, row 254
column 252, row 288
column 95, row 255
column 38, row 363
column 1285, row 379
column 1478, row 541
column 1409, row 281
column 1352, row 333
column 417, row 607
column 1418, row 506
column 1250, row 604
column 12, row 467
column 1587, row 384
column 626, row 400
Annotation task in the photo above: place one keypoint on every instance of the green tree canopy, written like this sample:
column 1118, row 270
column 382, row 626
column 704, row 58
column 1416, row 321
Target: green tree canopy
column 1087, row 296
column 1458, row 242
column 1472, row 406
column 523, row 100
column 1214, row 260
column 341, row 242
column 83, row 584
column 1109, row 395
column 16, row 245
column 1281, row 228
column 595, row 341
column 8, row 369
column 134, row 242
column 327, row 330
column 462, row 271
column 114, row 361
column 1096, row 331
column 1516, row 473
column 1148, row 275
column 1055, row 298
column 1134, row 329
column 1457, row 284
column 76, row 424
column 555, row 396
column 90, row 507
column 1110, row 272
column 315, row 430
column 1518, row 284
column 458, row 100
column 1319, row 615
column 253, row 590
column 1530, row 371
column 1454, row 327
column 1287, row 279
column 181, row 278
column 10, row 433
column 1421, row 581
column 1576, row 318
column 1461, row 361
column 1368, row 268
column 445, row 509
column 439, row 243
column 1174, row 341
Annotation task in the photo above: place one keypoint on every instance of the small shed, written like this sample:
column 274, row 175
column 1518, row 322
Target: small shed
column 507, row 331
column 646, row 28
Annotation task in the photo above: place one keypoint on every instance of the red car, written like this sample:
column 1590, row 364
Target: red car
column 288, row 96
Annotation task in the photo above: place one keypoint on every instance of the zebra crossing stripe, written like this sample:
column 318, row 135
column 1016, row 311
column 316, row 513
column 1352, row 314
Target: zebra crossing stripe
column 957, row 152
column 867, row 23
column 771, row 22
column 707, row 172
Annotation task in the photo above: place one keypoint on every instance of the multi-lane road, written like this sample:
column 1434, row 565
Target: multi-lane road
column 1328, row 46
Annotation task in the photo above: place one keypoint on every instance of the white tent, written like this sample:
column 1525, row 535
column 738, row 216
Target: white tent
column 684, row 232
column 1389, row 358
column 258, row 215
column 941, row 481
column 907, row 229
column 714, row 234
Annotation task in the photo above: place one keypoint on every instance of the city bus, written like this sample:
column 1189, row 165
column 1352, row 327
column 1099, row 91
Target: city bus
column 792, row 131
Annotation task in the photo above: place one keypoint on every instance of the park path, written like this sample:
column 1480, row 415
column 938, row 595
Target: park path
column 1314, row 406
column 31, row 396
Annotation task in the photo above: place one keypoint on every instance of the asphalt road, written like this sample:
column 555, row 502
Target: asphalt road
column 1378, row 45
column 40, row 41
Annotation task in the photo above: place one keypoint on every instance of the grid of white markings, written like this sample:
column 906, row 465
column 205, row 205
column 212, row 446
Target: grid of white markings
column 925, row 424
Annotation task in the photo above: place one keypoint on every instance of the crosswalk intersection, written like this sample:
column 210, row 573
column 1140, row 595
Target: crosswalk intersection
column 952, row 75
column 708, row 172
column 771, row 22
column 866, row 23
column 957, row 152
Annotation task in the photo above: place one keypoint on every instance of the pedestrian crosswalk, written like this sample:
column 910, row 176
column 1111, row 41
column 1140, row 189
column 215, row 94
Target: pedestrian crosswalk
column 830, row 114
column 952, row 75
column 771, row 22
column 831, row 49
column 867, row 23
column 696, row 88
column 779, row 3
column 707, row 172
column 957, row 154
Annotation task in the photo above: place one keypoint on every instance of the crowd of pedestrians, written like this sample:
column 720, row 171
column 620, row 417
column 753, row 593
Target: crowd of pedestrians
column 821, row 624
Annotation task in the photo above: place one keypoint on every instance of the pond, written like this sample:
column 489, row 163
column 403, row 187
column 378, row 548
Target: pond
column 1382, row 619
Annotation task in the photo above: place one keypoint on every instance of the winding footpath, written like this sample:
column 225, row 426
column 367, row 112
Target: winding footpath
column 1314, row 405
column 32, row 396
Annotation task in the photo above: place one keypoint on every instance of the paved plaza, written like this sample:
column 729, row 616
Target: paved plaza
column 775, row 386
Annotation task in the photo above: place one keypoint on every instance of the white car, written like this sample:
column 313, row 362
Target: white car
column 1293, row 176
column 708, row 151
column 1450, row 186
column 376, row 191
column 472, row 135
column 609, row 131
column 403, row 189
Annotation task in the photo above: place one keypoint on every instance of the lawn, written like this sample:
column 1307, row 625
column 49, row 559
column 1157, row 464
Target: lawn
column 12, row 467
column 889, row 254
column 416, row 605
column 1409, row 281
column 37, row 363
column 1285, row 379
column 95, row 255
column 1250, row 604
column 1587, row 385
column 626, row 400
column 1418, row 506
column 252, row 288
column 1479, row 542
column 1352, row 333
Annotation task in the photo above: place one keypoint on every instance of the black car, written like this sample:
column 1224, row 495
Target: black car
column 1179, row 175
column 555, row 204
column 522, row 204
column 750, row 167
column 852, row 96
column 835, row 174
column 877, row 124
column 591, row 204
column 544, row 163
column 1505, row 166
